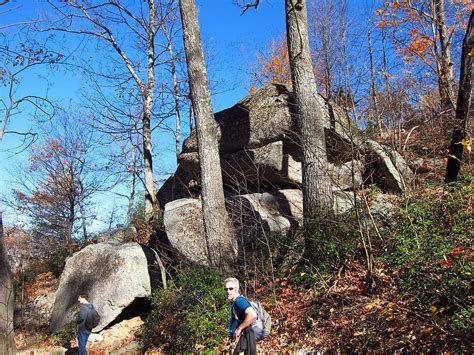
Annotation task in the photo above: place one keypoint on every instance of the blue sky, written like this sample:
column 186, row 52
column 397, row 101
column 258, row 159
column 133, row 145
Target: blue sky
column 233, row 39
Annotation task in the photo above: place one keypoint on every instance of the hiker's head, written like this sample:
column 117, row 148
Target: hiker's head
column 82, row 298
column 231, row 288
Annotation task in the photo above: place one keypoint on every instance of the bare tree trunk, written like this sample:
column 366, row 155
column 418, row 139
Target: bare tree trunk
column 131, row 198
column 373, row 124
column 317, row 187
column 463, row 104
column 176, row 96
column 70, row 221
column 219, row 235
column 388, row 87
column 445, row 65
column 150, row 197
column 7, row 343
column 82, row 209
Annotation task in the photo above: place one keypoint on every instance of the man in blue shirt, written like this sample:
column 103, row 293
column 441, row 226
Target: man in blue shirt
column 241, row 318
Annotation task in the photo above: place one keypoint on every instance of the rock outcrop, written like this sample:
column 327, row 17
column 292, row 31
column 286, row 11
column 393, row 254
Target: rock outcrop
column 261, row 162
column 258, row 144
column 112, row 274
column 386, row 167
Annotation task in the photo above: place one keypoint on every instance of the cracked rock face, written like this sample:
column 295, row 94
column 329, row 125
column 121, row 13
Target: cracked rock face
column 113, row 275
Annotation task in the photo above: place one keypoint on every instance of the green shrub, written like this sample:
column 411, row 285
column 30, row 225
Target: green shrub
column 195, row 303
column 57, row 261
column 331, row 242
column 431, row 250
column 65, row 335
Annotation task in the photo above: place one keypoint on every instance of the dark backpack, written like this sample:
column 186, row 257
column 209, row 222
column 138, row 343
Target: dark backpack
column 263, row 324
column 92, row 319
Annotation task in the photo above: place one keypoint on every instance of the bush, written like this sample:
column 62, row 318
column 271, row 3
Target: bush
column 195, row 305
column 57, row 261
column 331, row 242
column 64, row 336
column 431, row 249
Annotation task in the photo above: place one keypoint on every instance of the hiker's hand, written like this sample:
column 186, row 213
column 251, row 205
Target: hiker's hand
column 237, row 332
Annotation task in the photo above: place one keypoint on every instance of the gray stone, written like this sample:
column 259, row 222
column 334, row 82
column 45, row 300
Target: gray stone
column 267, row 116
column 185, row 229
column 382, row 210
column 112, row 274
column 268, row 165
column 343, row 201
column 255, row 214
column 347, row 176
column 386, row 167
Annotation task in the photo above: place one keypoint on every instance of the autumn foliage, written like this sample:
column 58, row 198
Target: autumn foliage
column 53, row 190
column 273, row 66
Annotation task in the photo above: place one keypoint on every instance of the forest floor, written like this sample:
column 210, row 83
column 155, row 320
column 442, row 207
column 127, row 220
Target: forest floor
column 348, row 316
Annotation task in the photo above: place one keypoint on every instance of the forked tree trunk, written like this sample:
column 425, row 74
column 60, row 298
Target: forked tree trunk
column 462, row 106
column 219, row 235
column 7, row 344
column 317, row 187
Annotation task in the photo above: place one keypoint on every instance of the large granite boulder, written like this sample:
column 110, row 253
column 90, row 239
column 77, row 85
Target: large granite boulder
column 261, row 163
column 266, row 117
column 269, row 165
column 253, row 216
column 256, row 214
column 185, row 229
column 112, row 274
column 386, row 167
column 346, row 176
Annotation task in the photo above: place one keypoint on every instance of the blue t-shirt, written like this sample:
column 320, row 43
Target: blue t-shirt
column 237, row 313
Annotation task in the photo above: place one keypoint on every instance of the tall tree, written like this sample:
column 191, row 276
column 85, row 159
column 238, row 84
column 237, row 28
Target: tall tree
column 423, row 32
column 106, row 22
column 219, row 235
column 169, row 33
column 7, row 343
column 317, row 187
column 59, row 182
column 445, row 64
column 463, row 105
column 327, row 25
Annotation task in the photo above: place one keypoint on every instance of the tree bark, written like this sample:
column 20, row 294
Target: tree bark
column 219, row 235
column 133, row 182
column 373, row 123
column 150, row 196
column 7, row 344
column 82, row 209
column 317, row 187
column 445, row 75
column 462, row 105
column 174, row 80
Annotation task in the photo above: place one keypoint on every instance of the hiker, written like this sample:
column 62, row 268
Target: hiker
column 82, row 331
column 241, row 318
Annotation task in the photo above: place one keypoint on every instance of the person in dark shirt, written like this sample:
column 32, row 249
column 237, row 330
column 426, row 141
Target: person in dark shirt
column 82, row 332
column 241, row 318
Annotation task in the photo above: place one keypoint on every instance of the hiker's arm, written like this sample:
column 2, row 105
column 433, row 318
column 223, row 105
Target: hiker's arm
column 82, row 315
column 250, row 316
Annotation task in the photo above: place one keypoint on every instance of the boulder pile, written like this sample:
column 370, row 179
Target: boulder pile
column 261, row 162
